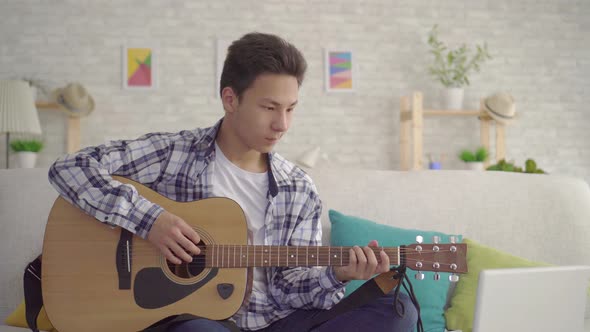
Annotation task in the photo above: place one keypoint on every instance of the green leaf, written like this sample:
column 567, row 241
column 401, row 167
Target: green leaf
column 467, row 156
column 481, row 154
column 26, row 145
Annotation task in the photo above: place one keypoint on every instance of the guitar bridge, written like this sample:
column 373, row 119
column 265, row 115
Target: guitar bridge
column 123, row 259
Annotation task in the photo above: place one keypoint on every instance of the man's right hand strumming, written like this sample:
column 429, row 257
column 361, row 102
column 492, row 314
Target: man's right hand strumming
column 174, row 237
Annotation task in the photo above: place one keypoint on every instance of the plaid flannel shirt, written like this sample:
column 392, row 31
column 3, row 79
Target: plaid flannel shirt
column 179, row 166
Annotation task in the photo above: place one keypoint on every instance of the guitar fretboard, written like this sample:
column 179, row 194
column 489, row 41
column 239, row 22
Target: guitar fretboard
column 227, row 256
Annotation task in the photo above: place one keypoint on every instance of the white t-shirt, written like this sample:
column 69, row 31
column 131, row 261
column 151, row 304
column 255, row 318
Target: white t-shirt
column 249, row 190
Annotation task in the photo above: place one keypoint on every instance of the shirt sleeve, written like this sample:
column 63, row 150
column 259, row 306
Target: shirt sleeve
column 307, row 287
column 84, row 179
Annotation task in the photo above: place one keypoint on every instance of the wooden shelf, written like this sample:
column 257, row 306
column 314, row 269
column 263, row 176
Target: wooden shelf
column 72, row 126
column 452, row 113
column 46, row 105
column 412, row 115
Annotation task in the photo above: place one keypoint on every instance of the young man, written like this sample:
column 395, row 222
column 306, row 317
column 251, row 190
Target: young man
column 259, row 90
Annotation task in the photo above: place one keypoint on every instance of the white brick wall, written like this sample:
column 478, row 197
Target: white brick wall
column 541, row 51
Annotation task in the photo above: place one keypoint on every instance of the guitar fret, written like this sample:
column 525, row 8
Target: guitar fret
column 317, row 255
column 307, row 256
column 266, row 251
column 340, row 256
column 234, row 256
column 287, row 256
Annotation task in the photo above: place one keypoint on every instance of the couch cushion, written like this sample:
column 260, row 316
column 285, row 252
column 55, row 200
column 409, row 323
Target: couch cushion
column 479, row 257
column 18, row 318
column 25, row 200
column 431, row 294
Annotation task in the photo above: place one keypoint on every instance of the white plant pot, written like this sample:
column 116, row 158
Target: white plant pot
column 475, row 166
column 26, row 159
column 453, row 98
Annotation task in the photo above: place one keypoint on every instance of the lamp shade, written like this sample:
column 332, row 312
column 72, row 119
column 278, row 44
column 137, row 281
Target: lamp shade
column 18, row 113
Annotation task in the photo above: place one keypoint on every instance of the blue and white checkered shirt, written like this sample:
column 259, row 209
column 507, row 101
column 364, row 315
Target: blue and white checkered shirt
column 177, row 165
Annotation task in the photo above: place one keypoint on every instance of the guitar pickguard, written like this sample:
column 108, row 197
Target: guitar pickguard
column 152, row 289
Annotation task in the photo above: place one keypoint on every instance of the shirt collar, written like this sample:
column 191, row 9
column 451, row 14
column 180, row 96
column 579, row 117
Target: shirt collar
column 207, row 148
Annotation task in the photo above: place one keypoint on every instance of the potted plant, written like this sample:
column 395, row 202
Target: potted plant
column 530, row 166
column 451, row 67
column 26, row 151
column 474, row 160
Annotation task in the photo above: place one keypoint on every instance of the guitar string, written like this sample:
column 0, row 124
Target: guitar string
column 423, row 268
column 332, row 250
column 200, row 262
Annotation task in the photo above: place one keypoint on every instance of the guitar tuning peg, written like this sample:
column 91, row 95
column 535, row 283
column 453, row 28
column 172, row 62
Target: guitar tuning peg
column 453, row 239
column 419, row 276
column 453, row 278
column 435, row 239
column 436, row 276
column 419, row 239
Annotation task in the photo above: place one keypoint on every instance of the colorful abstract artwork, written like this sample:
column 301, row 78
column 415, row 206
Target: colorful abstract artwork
column 339, row 71
column 139, row 69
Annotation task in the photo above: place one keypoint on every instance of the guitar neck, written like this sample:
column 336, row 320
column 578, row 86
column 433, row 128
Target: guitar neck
column 228, row 256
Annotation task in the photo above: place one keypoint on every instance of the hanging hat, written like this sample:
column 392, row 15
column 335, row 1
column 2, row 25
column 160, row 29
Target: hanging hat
column 500, row 107
column 74, row 100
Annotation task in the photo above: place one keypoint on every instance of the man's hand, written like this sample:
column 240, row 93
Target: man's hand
column 174, row 237
column 363, row 264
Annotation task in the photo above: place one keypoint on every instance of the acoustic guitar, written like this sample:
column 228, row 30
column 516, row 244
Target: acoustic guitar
column 98, row 278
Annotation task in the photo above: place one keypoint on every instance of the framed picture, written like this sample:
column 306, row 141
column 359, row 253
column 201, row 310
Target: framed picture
column 139, row 68
column 340, row 71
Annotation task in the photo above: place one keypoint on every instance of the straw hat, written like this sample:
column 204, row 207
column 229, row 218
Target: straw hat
column 500, row 107
column 74, row 100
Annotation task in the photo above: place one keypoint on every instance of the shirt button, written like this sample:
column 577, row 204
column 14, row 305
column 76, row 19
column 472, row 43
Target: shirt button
column 136, row 228
column 106, row 218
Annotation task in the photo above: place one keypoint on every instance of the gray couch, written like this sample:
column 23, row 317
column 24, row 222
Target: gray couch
column 533, row 216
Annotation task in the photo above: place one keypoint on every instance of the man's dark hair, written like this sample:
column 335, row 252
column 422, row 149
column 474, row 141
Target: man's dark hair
column 259, row 53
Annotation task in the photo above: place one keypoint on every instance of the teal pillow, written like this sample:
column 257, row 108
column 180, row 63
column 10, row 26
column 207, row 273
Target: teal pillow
column 431, row 294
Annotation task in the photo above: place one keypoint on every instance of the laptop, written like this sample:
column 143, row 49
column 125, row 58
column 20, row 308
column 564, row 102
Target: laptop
column 532, row 299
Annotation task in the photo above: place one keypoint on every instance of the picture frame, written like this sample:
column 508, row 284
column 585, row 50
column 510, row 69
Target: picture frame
column 340, row 70
column 140, row 70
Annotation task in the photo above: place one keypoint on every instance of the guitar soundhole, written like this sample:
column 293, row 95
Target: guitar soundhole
column 188, row 270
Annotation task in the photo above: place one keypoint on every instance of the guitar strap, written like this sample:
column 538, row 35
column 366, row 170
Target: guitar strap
column 33, row 296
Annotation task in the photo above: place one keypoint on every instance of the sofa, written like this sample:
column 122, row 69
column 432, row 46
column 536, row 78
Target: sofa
column 534, row 216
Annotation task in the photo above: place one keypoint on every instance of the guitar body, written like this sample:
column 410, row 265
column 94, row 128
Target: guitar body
column 81, row 281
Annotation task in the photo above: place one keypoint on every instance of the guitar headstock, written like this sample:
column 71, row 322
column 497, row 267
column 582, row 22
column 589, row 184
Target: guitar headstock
column 437, row 257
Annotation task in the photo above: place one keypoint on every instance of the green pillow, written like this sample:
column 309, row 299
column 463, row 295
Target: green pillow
column 431, row 294
column 479, row 257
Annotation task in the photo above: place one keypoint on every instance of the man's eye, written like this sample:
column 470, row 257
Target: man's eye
column 269, row 108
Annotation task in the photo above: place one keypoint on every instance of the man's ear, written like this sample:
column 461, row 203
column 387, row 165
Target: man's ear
column 229, row 99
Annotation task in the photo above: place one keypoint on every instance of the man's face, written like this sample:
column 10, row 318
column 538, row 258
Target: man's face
column 263, row 113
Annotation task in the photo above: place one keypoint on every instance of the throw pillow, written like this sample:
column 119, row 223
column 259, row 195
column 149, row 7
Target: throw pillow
column 18, row 319
column 431, row 295
column 479, row 257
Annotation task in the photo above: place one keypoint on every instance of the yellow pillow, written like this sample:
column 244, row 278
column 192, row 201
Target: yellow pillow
column 459, row 316
column 18, row 319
